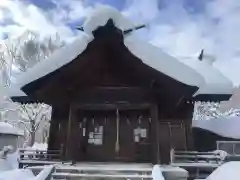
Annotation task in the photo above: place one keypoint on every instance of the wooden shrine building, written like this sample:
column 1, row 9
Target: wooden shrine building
column 115, row 97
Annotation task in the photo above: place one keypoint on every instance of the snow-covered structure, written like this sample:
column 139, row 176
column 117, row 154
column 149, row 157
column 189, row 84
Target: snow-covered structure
column 116, row 97
column 10, row 135
column 213, row 130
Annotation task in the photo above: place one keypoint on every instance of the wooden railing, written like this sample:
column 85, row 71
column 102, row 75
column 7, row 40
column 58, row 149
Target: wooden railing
column 198, row 164
column 29, row 157
column 105, row 172
column 194, row 156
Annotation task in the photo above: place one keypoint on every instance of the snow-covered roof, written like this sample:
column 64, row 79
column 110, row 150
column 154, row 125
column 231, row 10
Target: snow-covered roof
column 6, row 128
column 148, row 53
column 215, row 81
column 225, row 127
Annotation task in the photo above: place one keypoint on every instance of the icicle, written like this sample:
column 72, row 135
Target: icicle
column 59, row 126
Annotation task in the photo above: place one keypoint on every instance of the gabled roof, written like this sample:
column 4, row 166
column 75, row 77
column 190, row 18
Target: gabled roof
column 192, row 75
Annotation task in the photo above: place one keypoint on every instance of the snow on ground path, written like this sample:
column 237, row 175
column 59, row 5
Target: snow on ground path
column 230, row 170
column 157, row 173
column 17, row 174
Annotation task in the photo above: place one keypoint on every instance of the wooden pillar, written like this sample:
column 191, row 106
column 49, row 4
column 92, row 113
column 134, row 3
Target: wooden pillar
column 68, row 152
column 188, row 126
column 51, row 130
column 155, row 134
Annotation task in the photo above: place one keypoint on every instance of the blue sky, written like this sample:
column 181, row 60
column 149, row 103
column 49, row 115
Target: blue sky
column 180, row 27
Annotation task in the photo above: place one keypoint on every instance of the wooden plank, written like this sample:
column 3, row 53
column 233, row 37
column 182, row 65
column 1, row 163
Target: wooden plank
column 35, row 150
column 75, row 175
column 196, row 165
column 109, row 106
column 195, row 153
column 38, row 162
column 97, row 168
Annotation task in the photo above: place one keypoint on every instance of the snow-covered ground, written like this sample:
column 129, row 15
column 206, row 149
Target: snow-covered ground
column 227, row 171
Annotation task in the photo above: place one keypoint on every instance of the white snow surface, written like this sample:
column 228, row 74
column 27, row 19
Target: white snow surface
column 215, row 81
column 17, row 174
column 6, row 128
column 157, row 173
column 225, row 127
column 44, row 173
column 40, row 146
column 227, row 171
column 149, row 54
column 12, row 159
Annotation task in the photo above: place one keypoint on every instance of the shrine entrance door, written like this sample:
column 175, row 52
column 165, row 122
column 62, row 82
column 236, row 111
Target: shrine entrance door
column 113, row 135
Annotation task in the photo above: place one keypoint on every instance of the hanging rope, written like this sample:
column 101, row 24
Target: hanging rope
column 117, row 146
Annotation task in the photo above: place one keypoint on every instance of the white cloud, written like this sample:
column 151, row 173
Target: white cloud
column 28, row 16
column 182, row 34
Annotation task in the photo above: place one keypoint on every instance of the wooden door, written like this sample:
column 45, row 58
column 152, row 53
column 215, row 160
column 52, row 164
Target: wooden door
column 113, row 135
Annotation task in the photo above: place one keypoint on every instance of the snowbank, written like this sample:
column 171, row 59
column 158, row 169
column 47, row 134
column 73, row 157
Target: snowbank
column 157, row 173
column 225, row 127
column 12, row 159
column 227, row 171
column 40, row 146
column 6, row 128
column 17, row 174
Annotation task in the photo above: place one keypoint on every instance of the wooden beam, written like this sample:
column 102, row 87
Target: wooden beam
column 108, row 106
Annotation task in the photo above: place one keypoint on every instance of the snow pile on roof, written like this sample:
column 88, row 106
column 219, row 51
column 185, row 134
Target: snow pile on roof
column 58, row 59
column 6, row 128
column 101, row 15
column 204, row 76
column 157, row 59
column 150, row 54
column 230, row 170
column 226, row 127
column 215, row 81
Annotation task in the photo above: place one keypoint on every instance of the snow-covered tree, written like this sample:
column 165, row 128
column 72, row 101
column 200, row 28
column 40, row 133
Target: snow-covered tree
column 33, row 116
column 208, row 110
column 19, row 54
column 16, row 56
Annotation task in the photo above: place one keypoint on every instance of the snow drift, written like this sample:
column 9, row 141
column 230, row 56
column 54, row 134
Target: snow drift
column 225, row 127
column 230, row 170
